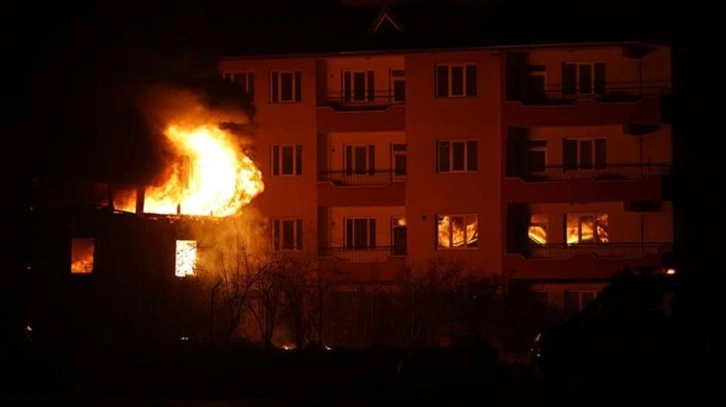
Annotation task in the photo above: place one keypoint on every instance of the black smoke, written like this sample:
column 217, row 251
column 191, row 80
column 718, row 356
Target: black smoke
column 107, row 119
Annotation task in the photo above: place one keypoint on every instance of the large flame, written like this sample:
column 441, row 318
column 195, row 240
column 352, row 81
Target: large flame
column 211, row 176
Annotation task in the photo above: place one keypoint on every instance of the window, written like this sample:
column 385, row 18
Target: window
column 287, row 234
column 577, row 300
column 398, row 84
column 536, row 82
column 82, row 255
column 538, row 229
column 359, row 86
column 360, row 233
column 586, row 228
column 287, row 160
column 186, row 258
column 584, row 154
column 457, row 156
column 360, row 159
column 456, row 81
column 400, row 161
column 583, row 79
column 285, row 87
column 245, row 80
column 399, row 235
column 457, row 231
column 537, row 156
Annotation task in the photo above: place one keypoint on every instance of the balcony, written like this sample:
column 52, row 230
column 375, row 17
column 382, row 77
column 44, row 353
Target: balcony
column 612, row 182
column 363, row 265
column 361, row 255
column 583, row 261
column 558, row 105
column 342, row 112
column 372, row 188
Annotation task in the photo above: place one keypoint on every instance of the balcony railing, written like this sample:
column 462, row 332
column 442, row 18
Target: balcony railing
column 345, row 101
column 368, row 178
column 609, row 172
column 599, row 250
column 362, row 255
column 612, row 92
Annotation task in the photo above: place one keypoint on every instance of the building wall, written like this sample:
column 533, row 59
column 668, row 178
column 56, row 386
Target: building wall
column 284, row 124
column 429, row 193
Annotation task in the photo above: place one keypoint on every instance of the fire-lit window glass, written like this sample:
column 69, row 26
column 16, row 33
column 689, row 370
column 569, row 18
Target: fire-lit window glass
column 287, row 160
column 538, row 229
column 82, row 255
column 456, row 81
column 287, row 234
column 586, row 228
column 186, row 258
column 245, row 81
column 457, row 156
column 285, row 87
column 457, row 231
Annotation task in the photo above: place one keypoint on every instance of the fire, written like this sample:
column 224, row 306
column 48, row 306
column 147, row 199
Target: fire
column 82, row 250
column 211, row 177
column 186, row 258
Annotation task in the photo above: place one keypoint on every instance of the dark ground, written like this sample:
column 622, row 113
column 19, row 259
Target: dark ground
column 188, row 376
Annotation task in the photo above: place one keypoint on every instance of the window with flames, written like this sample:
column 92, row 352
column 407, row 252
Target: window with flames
column 82, row 255
column 186, row 258
column 457, row 231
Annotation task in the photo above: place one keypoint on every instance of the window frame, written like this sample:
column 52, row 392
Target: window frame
column 437, row 220
column 593, row 80
column 248, row 89
column 297, row 160
column 594, row 157
column 596, row 239
column 372, row 230
column 296, row 84
column 450, row 76
column 278, row 234
column 451, row 169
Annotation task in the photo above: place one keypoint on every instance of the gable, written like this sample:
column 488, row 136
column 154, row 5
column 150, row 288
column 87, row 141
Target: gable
column 386, row 22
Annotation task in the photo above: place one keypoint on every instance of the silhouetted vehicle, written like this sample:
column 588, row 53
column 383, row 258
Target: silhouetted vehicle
column 626, row 333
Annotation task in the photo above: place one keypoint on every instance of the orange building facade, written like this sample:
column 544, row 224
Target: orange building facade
column 547, row 165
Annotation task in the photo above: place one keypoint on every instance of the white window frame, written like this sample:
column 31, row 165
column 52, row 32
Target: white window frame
column 297, row 234
column 280, row 164
column 280, row 100
column 451, row 156
column 372, row 230
column 352, row 85
column 449, row 92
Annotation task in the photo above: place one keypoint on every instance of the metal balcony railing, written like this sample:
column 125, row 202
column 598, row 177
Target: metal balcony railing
column 563, row 251
column 609, row 172
column 377, row 100
column 362, row 255
column 368, row 178
column 611, row 92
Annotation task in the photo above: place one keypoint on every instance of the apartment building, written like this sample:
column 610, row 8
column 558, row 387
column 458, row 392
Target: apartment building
column 545, row 163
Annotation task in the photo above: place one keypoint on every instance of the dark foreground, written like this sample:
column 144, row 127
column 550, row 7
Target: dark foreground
column 189, row 376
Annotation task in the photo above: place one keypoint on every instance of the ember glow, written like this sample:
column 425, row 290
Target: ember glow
column 211, row 176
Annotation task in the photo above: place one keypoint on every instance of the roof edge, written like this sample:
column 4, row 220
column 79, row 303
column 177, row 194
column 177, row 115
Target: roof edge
column 450, row 49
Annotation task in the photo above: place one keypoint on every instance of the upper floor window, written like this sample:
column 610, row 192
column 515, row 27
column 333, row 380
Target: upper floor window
column 456, row 81
column 285, row 86
column 400, row 160
column 583, row 79
column 360, row 159
column 586, row 228
column 457, row 156
column 584, row 153
column 360, row 233
column 537, row 156
column 287, row 234
column 457, row 231
column 245, row 80
column 286, row 160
